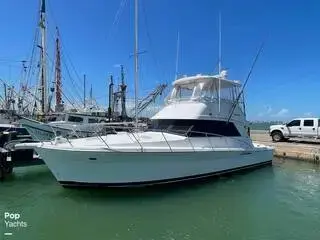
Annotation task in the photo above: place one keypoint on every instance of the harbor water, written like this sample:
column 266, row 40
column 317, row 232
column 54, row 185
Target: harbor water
column 275, row 202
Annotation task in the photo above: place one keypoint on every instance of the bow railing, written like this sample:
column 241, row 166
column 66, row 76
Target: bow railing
column 189, row 134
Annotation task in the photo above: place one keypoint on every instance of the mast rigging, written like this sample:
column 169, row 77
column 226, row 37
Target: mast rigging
column 43, row 71
column 58, row 74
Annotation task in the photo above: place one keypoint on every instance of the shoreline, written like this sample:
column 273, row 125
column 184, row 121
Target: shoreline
column 295, row 148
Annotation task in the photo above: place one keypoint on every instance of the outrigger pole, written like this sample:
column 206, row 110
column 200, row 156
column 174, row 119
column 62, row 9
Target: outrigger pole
column 245, row 83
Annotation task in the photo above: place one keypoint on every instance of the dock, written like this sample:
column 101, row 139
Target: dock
column 294, row 148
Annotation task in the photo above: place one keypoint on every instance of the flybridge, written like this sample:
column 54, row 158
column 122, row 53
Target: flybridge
column 205, row 87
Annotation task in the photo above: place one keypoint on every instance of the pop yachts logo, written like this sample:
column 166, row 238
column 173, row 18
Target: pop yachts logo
column 13, row 220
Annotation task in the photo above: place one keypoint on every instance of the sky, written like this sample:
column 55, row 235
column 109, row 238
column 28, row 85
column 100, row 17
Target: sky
column 98, row 35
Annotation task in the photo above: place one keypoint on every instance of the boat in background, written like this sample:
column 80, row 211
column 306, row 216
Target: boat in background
column 74, row 125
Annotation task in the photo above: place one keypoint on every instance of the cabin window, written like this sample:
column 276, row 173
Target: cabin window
column 294, row 123
column 75, row 119
column 184, row 92
column 21, row 131
column 52, row 119
column 308, row 123
column 197, row 91
column 195, row 128
column 207, row 92
column 92, row 120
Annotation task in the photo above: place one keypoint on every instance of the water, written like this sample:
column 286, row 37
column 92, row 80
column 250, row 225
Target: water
column 279, row 202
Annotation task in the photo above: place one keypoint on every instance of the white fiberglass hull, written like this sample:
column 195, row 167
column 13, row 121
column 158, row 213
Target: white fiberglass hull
column 115, row 169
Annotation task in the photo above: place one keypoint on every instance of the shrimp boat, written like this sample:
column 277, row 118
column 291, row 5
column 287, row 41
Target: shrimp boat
column 193, row 136
column 69, row 124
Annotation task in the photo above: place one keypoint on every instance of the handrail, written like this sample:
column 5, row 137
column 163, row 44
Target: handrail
column 209, row 141
column 183, row 132
column 186, row 133
column 137, row 141
column 199, row 99
column 69, row 141
column 74, row 130
column 189, row 129
column 167, row 142
column 102, row 139
column 54, row 132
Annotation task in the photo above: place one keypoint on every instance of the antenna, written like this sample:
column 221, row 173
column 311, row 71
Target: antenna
column 219, row 61
column 219, row 42
column 84, row 91
column 177, row 56
column 136, row 75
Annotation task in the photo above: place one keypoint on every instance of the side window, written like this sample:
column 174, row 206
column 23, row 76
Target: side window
column 308, row 123
column 294, row 123
column 75, row 119
column 93, row 120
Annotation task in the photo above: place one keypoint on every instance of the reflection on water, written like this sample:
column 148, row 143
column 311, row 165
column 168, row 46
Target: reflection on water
column 279, row 202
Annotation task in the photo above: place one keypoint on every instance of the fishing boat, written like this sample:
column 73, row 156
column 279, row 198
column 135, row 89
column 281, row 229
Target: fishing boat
column 73, row 124
column 200, row 132
column 190, row 138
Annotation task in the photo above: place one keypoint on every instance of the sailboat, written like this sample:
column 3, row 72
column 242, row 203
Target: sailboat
column 200, row 132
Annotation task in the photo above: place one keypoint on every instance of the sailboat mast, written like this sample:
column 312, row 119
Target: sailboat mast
column 136, row 75
column 123, row 96
column 5, row 96
column 43, row 72
column 90, row 96
column 58, row 72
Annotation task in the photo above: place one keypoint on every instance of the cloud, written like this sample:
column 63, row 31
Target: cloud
column 308, row 114
column 282, row 113
column 267, row 111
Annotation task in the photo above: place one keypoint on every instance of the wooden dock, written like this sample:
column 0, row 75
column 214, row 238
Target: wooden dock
column 295, row 148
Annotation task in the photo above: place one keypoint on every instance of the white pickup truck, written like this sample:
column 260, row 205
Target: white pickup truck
column 297, row 128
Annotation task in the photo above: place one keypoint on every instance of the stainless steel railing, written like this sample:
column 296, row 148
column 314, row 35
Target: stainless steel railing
column 132, row 134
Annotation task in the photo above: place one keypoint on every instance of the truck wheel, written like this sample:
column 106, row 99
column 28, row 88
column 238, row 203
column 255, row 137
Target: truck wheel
column 276, row 136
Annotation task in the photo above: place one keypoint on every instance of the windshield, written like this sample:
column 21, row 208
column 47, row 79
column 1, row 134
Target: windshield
column 182, row 92
column 208, row 91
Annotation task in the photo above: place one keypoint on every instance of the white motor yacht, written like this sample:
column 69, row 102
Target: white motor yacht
column 201, row 131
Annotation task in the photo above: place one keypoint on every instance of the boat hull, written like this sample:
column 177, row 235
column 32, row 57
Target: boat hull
column 127, row 169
